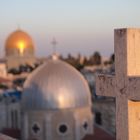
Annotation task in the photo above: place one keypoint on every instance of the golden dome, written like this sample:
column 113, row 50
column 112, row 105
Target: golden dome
column 19, row 43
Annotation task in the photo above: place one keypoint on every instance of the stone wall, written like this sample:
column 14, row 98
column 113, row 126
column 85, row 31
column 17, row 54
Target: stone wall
column 104, row 110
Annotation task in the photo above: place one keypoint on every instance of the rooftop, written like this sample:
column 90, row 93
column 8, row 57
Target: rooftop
column 4, row 137
column 99, row 134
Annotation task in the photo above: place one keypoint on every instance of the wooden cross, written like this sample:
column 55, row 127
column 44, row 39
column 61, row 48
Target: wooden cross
column 125, row 84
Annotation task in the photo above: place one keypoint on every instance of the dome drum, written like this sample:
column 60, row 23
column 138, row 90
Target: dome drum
column 66, row 125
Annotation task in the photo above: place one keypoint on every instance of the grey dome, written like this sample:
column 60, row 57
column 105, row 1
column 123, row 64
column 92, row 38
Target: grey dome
column 55, row 85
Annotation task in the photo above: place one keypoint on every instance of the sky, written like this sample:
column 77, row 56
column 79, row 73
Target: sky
column 79, row 26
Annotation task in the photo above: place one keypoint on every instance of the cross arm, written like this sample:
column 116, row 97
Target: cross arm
column 105, row 85
column 133, row 88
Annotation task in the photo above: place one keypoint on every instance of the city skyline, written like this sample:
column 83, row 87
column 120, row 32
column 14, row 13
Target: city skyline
column 78, row 26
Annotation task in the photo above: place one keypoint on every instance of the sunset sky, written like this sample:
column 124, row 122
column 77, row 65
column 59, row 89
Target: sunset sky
column 79, row 26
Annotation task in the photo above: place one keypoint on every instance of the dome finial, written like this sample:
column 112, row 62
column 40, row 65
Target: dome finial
column 55, row 56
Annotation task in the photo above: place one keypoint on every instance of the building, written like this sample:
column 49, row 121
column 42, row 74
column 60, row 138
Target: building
column 19, row 50
column 3, row 69
column 104, row 110
column 10, row 110
column 10, row 105
column 74, row 119
column 10, row 114
column 56, row 103
column 103, row 107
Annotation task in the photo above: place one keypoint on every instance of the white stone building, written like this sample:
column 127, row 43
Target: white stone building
column 3, row 69
column 10, row 113
column 56, row 104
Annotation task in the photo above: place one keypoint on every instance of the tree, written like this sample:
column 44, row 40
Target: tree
column 95, row 59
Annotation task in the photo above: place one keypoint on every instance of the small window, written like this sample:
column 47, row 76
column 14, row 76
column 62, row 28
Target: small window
column 98, row 118
column 63, row 129
column 35, row 128
column 85, row 125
